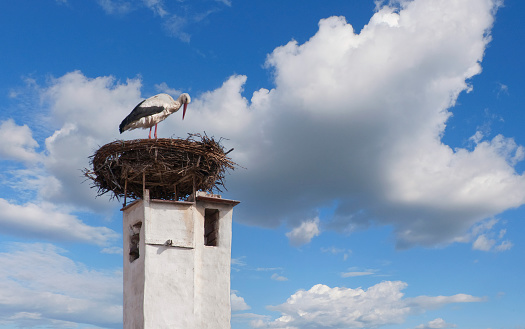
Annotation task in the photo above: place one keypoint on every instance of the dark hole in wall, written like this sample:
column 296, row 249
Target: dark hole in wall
column 134, row 241
column 211, row 227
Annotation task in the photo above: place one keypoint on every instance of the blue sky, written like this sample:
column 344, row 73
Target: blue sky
column 382, row 143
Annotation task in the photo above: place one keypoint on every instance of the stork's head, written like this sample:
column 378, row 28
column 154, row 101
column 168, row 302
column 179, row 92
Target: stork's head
column 184, row 99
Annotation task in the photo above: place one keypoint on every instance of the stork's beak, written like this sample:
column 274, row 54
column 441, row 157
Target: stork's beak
column 184, row 110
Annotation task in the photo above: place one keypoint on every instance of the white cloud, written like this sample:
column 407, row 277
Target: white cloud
column 157, row 6
column 248, row 317
column 38, row 283
column 502, row 89
column 485, row 238
column 356, row 273
column 429, row 302
column 477, row 137
column 359, row 118
column 17, row 142
column 381, row 304
column 436, row 324
column 119, row 7
column 237, row 302
column 45, row 221
column 238, row 261
column 77, row 100
column 164, row 88
column 504, row 246
column 304, row 233
column 224, row 112
column 176, row 25
column 278, row 277
column 356, row 118
column 82, row 114
column 85, row 114
column 483, row 243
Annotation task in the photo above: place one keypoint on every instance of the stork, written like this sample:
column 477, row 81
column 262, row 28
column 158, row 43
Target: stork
column 153, row 110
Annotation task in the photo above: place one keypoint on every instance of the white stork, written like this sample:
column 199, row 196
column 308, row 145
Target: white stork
column 153, row 110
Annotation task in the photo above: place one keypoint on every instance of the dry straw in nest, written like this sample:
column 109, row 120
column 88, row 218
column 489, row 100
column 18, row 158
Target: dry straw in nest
column 170, row 168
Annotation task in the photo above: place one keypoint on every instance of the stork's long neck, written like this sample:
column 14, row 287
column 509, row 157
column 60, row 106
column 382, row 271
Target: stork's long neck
column 176, row 105
column 184, row 99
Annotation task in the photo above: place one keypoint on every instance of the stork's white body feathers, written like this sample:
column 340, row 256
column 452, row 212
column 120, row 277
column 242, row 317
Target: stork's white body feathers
column 153, row 110
column 150, row 120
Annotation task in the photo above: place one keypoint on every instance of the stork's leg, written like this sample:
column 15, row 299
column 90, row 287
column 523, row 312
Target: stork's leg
column 155, row 131
column 149, row 136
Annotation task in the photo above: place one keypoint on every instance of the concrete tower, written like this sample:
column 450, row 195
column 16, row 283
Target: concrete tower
column 177, row 258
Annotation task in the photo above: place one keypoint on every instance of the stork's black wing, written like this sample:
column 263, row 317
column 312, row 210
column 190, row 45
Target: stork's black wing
column 138, row 113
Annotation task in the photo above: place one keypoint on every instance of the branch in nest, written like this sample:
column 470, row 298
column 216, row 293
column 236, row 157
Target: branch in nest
column 169, row 165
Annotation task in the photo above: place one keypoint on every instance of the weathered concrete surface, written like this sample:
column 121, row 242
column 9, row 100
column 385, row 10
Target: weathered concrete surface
column 177, row 281
column 212, row 270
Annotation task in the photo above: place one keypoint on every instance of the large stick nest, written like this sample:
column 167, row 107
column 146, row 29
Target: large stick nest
column 169, row 168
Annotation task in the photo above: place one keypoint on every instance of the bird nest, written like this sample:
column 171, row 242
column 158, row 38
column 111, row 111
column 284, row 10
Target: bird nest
column 171, row 169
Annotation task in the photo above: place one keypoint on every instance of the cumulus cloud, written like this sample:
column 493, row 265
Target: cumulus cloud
column 17, row 142
column 359, row 117
column 77, row 105
column 483, row 243
column 237, row 302
column 52, row 180
column 487, row 242
column 354, row 117
column 304, row 233
column 45, row 221
column 38, row 283
column 381, row 304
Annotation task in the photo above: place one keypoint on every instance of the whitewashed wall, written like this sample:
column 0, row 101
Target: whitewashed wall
column 177, row 282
